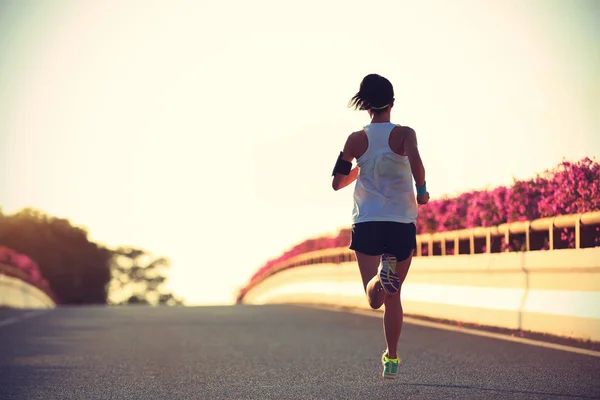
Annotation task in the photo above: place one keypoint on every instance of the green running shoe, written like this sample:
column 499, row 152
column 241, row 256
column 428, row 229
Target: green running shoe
column 390, row 366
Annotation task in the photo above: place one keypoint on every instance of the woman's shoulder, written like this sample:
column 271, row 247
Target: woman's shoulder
column 403, row 128
column 357, row 135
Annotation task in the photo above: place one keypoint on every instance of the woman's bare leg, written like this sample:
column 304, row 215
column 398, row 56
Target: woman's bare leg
column 393, row 314
column 368, row 266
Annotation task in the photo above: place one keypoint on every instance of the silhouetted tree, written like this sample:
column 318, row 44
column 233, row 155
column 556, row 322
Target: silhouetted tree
column 136, row 299
column 138, row 277
column 80, row 271
column 77, row 269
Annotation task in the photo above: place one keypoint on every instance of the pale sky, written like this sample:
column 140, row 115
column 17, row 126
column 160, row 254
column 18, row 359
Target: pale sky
column 206, row 131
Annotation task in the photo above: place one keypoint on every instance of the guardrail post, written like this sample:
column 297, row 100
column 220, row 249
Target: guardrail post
column 430, row 246
column 527, row 231
column 443, row 244
column 456, row 244
column 471, row 243
column 578, row 231
column 507, row 237
column 419, row 244
column 551, row 235
column 488, row 240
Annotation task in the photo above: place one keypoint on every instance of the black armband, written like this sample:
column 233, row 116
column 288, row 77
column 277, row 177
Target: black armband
column 341, row 166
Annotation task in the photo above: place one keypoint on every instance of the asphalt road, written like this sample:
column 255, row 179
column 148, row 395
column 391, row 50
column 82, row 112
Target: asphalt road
column 268, row 352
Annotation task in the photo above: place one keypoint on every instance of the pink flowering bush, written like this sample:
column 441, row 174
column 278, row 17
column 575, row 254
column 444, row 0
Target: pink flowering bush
column 25, row 266
column 568, row 188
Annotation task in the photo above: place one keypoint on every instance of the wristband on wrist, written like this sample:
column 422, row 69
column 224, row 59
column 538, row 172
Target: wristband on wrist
column 421, row 190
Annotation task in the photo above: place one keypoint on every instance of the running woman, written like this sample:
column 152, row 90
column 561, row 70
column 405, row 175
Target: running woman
column 385, row 209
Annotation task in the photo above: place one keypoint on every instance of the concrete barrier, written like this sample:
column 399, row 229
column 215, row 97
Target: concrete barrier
column 555, row 292
column 15, row 293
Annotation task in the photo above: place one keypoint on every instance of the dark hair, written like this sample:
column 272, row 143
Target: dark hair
column 376, row 93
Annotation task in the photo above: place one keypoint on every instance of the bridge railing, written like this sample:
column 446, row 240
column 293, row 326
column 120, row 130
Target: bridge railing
column 540, row 234
column 550, row 226
column 486, row 282
column 18, row 290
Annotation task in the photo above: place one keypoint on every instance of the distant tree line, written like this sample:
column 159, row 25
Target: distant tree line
column 80, row 271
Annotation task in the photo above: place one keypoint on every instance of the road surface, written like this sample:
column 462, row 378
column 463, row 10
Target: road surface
column 267, row 352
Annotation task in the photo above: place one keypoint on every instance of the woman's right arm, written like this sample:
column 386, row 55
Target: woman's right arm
column 340, row 181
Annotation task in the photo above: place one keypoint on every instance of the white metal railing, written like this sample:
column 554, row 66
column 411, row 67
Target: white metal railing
column 344, row 254
column 16, row 273
column 524, row 227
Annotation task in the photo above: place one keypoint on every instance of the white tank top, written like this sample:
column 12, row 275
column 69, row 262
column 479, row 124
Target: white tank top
column 384, row 187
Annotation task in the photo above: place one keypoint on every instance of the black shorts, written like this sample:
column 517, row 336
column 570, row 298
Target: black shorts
column 384, row 237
